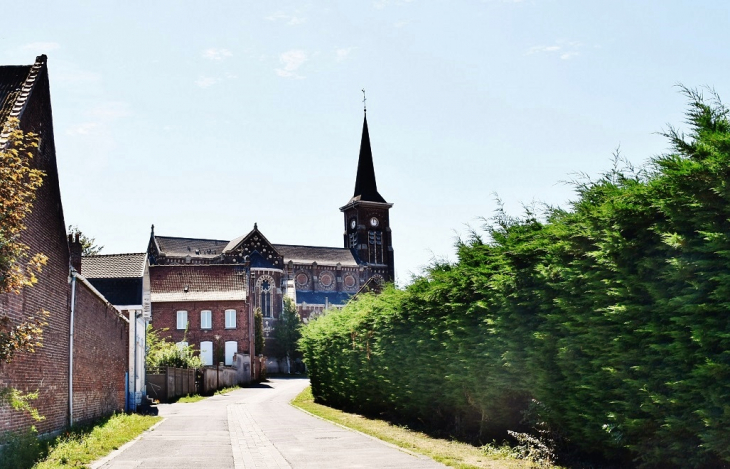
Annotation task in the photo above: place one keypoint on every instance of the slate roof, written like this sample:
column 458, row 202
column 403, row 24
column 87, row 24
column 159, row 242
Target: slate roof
column 208, row 282
column 113, row 266
column 320, row 255
column 12, row 78
column 318, row 297
column 366, row 189
column 211, row 248
column 181, row 247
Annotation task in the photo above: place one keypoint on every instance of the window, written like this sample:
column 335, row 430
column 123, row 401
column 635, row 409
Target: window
column 266, row 299
column 206, row 352
column 205, row 319
column 182, row 319
column 230, row 319
column 231, row 348
column 181, row 345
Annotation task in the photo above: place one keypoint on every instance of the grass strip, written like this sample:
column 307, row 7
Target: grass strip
column 451, row 453
column 190, row 398
column 83, row 445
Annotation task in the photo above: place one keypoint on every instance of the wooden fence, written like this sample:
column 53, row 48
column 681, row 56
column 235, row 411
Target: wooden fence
column 171, row 383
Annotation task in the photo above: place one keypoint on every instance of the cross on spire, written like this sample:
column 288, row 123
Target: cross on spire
column 364, row 104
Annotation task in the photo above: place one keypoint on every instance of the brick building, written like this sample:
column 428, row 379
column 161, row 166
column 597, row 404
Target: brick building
column 65, row 370
column 211, row 287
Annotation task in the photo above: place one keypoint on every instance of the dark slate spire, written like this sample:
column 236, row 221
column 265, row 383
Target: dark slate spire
column 365, row 186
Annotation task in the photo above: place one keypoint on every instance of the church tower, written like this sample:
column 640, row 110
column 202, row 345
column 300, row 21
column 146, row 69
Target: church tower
column 367, row 220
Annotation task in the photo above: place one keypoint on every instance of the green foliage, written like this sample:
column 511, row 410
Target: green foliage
column 21, row 449
column 258, row 324
column 606, row 323
column 20, row 401
column 287, row 330
column 18, row 185
column 88, row 245
column 162, row 352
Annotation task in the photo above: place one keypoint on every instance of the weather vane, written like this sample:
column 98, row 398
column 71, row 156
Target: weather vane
column 364, row 105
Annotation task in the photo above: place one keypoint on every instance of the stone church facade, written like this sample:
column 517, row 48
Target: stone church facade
column 205, row 291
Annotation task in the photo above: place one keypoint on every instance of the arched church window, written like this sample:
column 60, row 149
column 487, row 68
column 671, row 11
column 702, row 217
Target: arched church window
column 266, row 298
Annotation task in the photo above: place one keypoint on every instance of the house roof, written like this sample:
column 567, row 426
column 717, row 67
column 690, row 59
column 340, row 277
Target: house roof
column 321, row 298
column 211, row 248
column 11, row 82
column 113, row 265
column 16, row 85
column 320, row 255
column 197, row 282
column 181, row 247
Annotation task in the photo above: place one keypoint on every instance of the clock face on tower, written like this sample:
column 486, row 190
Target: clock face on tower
column 373, row 221
column 353, row 224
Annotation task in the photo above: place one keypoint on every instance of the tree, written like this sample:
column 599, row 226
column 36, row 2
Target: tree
column 88, row 245
column 162, row 353
column 18, row 269
column 287, row 332
column 258, row 324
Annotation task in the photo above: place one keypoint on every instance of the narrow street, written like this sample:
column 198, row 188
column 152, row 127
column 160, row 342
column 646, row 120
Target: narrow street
column 256, row 428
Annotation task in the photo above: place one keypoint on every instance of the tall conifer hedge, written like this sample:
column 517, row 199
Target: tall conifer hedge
column 610, row 321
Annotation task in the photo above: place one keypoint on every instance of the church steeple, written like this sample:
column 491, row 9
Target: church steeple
column 366, row 189
column 367, row 220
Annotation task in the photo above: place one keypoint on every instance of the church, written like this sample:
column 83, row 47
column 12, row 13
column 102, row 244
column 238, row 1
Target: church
column 205, row 291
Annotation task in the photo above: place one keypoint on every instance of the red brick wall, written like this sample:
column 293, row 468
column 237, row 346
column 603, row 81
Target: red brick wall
column 101, row 342
column 164, row 315
column 47, row 369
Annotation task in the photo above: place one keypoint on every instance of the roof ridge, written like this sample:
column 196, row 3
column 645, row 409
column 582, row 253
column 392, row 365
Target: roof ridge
column 116, row 254
column 308, row 246
column 193, row 239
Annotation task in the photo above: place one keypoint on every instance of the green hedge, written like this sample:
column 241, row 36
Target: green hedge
column 609, row 321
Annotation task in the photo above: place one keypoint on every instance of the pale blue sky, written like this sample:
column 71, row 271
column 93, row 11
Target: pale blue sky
column 205, row 117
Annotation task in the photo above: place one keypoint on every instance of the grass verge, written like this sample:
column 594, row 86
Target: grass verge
column 451, row 453
column 190, row 398
column 83, row 445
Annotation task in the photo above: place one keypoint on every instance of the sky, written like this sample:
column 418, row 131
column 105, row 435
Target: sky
column 204, row 118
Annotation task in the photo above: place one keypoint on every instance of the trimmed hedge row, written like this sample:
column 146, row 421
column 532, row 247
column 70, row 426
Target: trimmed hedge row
column 610, row 322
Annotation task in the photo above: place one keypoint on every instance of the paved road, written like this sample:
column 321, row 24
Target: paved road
column 256, row 428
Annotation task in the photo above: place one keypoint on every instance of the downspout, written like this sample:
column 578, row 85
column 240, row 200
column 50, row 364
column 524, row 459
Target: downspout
column 71, row 352
column 134, row 387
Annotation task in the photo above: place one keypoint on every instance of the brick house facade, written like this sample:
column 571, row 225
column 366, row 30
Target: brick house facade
column 100, row 332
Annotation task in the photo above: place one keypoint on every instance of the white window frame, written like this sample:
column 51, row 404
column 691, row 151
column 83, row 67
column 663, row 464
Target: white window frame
column 231, row 349
column 230, row 319
column 181, row 345
column 206, row 319
column 182, row 319
column 206, row 352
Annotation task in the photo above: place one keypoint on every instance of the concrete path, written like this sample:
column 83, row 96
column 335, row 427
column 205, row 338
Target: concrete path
column 256, row 428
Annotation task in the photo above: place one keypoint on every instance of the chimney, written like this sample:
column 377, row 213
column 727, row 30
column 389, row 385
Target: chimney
column 74, row 250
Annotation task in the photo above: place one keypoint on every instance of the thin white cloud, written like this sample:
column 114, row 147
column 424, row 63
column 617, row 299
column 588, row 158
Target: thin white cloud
column 400, row 24
column 87, row 128
column 110, row 110
column 380, row 4
column 565, row 50
column 343, row 53
column 291, row 20
column 292, row 60
column 216, row 54
column 41, row 47
column 205, row 82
